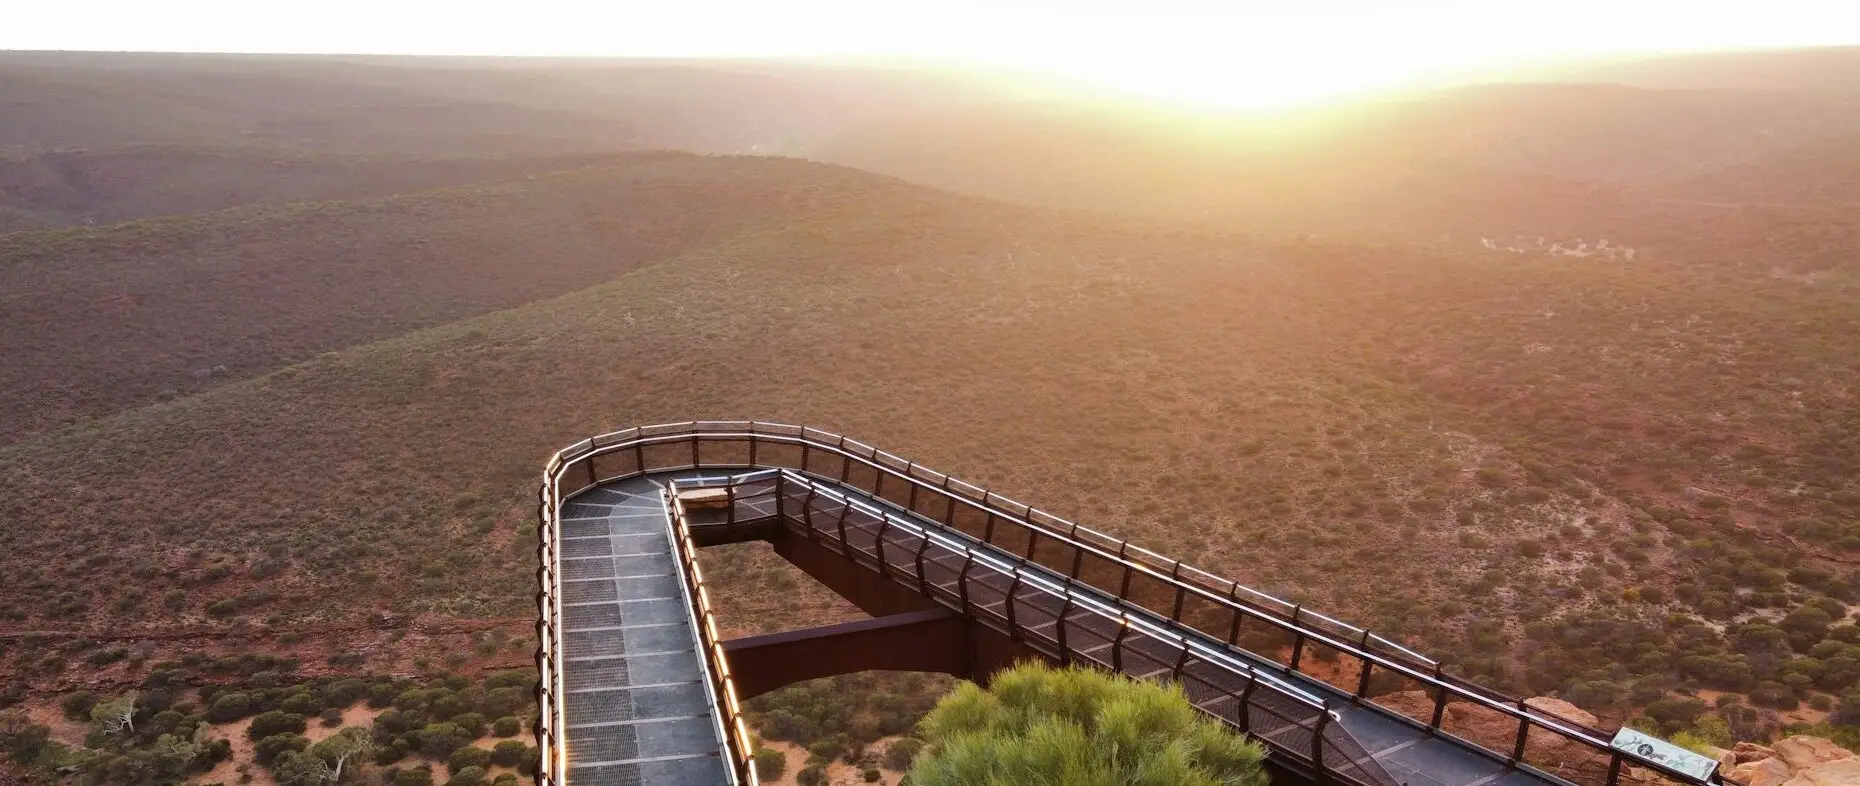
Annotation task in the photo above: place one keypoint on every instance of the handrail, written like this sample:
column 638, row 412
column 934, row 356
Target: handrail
column 719, row 683
column 1030, row 578
column 1121, row 553
column 551, row 720
column 1104, row 610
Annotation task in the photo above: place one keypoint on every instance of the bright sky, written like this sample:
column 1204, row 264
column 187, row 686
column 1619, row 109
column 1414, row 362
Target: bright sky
column 1231, row 52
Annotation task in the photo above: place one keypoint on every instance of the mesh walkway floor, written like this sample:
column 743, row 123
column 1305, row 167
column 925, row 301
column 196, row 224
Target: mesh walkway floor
column 635, row 701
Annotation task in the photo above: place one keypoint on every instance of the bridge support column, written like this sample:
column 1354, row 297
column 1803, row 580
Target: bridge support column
column 932, row 641
column 873, row 594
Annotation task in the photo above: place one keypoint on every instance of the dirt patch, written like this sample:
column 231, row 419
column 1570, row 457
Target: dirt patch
column 63, row 729
column 240, row 767
column 358, row 715
column 839, row 773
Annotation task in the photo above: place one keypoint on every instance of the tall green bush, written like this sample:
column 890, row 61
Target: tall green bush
column 1036, row 724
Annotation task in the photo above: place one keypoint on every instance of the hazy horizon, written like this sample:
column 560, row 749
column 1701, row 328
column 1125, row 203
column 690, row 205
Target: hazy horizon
column 1232, row 55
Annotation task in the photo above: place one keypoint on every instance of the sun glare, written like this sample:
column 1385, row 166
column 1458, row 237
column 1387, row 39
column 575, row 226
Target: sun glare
column 1250, row 74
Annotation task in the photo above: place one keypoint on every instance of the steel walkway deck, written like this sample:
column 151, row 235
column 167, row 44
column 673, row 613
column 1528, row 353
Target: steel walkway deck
column 636, row 708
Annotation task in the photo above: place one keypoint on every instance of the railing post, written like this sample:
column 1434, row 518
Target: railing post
column 695, row 461
column 1233, row 629
column 1123, row 589
column 923, row 581
column 1007, row 606
column 1614, row 768
column 1033, row 535
column 1246, row 702
column 754, row 443
column 1181, row 595
column 845, row 511
column 1117, row 645
column 1298, row 648
column 1078, row 560
column 910, row 473
column 729, row 497
column 807, row 514
column 1180, row 663
column 1317, row 746
column 878, row 546
column 1440, row 702
column 1524, row 730
column 1059, row 631
column 988, row 530
column 781, row 497
column 1362, row 681
column 962, row 579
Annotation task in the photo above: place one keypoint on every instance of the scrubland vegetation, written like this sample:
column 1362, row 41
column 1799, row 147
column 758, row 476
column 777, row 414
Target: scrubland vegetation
column 1035, row 724
column 256, row 714
column 312, row 430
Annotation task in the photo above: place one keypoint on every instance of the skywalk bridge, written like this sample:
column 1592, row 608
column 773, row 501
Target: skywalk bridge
column 639, row 688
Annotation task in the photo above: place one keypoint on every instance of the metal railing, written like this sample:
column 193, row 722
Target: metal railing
column 1180, row 593
column 719, row 684
column 1073, row 624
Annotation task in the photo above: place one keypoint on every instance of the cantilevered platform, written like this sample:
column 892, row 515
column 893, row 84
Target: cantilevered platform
column 637, row 689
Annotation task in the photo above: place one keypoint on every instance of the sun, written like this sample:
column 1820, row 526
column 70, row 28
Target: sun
column 1261, row 71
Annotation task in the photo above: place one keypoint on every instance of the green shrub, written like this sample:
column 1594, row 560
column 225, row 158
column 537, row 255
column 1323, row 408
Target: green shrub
column 302, row 704
column 439, row 740
column 507, row 726
column 770, row 764
column 532, row 756
column 1046, row 725
column 391, row 752
column 1675, row 714
column 381, row 694
column 229, row 707
column 470, row 776
column 275, row 722
column 76, row 706
column 468, row 756
column 828, row 749
column 23, row 740
column 469, row 722
column 418, row 776
column 266, row 750
column 508, row 753
column 871, row 775
column 814, row 774
column 902, row 752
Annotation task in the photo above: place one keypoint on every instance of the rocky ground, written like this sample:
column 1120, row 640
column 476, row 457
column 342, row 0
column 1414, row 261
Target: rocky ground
column 1792, row 761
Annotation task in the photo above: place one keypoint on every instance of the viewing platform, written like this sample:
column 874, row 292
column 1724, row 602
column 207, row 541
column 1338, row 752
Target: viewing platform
column 638, row 687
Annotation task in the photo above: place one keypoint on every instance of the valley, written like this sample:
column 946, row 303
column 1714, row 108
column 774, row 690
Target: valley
column 291, row 401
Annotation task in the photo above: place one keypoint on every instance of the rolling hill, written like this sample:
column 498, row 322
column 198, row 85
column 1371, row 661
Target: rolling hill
column 1824, row 172
column 170, row 306
column 300, row 422
column 455, row 106
column 64, row 188
column 1495, row 434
